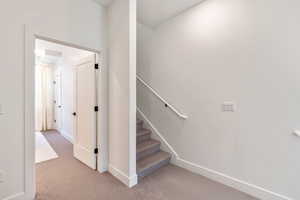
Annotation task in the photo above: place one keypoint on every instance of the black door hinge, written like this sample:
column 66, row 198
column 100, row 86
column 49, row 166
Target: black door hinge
column 96, row 108
column 54, row 82
column 96, row 66
column 74, row 114
column 96, row 150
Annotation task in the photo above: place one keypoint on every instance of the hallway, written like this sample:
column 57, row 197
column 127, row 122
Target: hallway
column 65, row 178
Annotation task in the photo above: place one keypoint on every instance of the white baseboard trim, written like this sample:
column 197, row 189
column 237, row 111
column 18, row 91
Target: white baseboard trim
column 128, row 181
column 67, row 136
column 237, row 184
column 19, row 196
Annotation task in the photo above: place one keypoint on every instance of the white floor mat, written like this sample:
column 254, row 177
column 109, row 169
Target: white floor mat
column 43, row 150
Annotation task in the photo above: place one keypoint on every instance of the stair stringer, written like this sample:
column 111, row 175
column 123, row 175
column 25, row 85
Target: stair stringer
column 165, row 146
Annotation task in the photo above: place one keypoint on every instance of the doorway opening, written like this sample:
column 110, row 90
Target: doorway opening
column 66, row 109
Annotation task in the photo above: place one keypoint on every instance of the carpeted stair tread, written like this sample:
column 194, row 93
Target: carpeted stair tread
column 144, row 146
column 142, row 135
column 152, row 161
column 139, row 124
column 148, row 153
column 143, row 132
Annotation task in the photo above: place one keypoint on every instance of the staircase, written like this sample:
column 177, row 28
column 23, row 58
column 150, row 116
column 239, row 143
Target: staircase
column 148, row 154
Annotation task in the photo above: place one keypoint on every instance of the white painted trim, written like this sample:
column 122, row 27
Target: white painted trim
column 103, row 115
column 29, row 137
column 19, row 196
column 128, row 181
column 102, row 168
column 67, row 136
column 132, row 93
column 30, row 35
column 237, row 184
column 49, row 39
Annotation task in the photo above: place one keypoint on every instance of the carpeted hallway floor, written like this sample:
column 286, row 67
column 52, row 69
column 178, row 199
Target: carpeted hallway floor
column 65, row 178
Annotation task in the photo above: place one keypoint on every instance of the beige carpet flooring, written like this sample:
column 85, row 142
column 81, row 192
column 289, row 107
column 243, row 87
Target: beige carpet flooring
column 65, row 178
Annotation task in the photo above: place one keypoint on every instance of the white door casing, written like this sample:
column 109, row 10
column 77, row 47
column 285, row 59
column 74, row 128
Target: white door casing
column 30, row 36
column 85, row 137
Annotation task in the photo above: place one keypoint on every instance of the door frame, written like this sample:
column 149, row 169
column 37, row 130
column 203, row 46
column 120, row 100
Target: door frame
column 30, row 37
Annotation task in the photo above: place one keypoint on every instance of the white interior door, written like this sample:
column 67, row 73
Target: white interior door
column 85, row 140
column 57, row 100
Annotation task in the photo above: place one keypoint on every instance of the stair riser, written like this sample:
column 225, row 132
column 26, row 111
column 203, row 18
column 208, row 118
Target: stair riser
column 148, row 152
column 149, row 156
column 139, row 126
column 139, row 122
column 153, row 169
column 143, row 138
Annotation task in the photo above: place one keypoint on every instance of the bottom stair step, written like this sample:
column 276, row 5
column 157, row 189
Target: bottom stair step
column 151, row 163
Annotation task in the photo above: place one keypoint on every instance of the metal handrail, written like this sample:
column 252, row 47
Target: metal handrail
column 162, row 99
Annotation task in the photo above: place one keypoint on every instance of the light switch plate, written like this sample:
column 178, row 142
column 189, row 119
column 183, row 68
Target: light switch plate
column 228, row 106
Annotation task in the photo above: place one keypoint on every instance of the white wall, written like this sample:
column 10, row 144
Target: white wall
column 229, row 50
column 76, row 21
column 122, row 96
